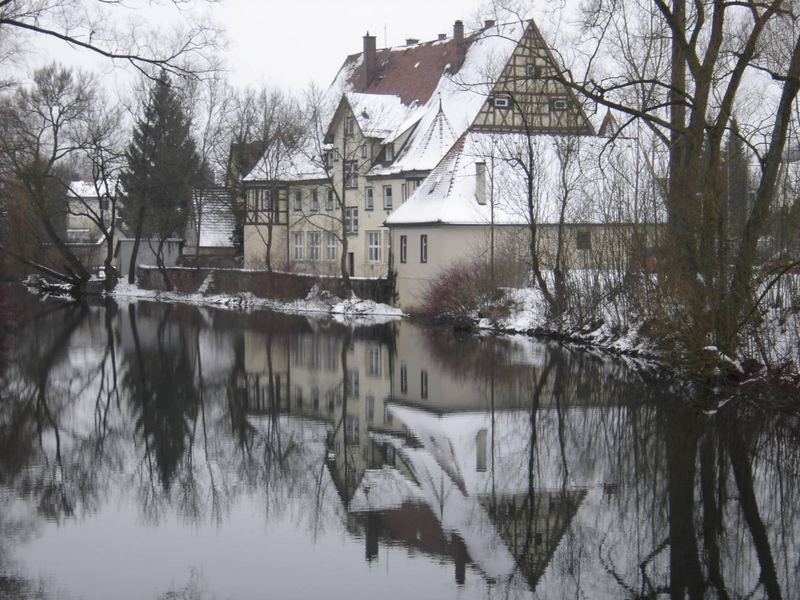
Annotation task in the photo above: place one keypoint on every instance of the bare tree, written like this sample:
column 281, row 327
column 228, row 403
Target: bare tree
column 102, row 147
column 276, row 126
column 93, row 26
column 340, row 166
column 41, row 130
column 683, row 70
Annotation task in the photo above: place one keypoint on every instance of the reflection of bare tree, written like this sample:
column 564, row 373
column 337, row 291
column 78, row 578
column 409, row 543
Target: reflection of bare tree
column 743, row 476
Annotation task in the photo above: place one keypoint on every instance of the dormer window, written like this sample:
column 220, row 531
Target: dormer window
column 502, row 102
column 389, row 152
column 559, row 104
column 350, row 125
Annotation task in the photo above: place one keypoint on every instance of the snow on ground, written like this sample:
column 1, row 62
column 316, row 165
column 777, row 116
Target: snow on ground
column 351, row 311
column 529, row 315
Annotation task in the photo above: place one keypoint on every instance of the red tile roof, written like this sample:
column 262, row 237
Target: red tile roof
column 411, row 73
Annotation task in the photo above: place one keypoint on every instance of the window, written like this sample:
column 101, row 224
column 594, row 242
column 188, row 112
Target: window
column 403, row 248
column 389, row 152
column 351, row 220
column 404, row 192
column 314, row 245
column 315, row 397
column 352, row 375
column 423, row 248
column 423, row 384
column 350, row 125
column 297, row 205
column 583, row 240
column 558, row 104
column 369, row 199
column 331, row 356
column 364, row 151
column 329, row 201
column 501, row 102
column 480, row 450
column 374, row 246
column 351, row 173
column 314, row 201
column 327, row 159
column 374, row 364
column 300, row 353
column 330, row 247
column 299, row 245
column 298, row 396
column 533, row 71
column 403, row 379
column 370, row 408
column 266, row 200
column 316, row 352
column 387, row 416
column 103, row 203
column 387, row 197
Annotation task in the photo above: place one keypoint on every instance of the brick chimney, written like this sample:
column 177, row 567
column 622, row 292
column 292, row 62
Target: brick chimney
column 458, row 32
column 458, row 38
column 370, row 59
column 480, row 182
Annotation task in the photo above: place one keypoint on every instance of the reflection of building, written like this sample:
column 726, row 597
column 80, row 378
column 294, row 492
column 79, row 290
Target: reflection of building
column 470, row 472
column 325, row 376
column 430, row 448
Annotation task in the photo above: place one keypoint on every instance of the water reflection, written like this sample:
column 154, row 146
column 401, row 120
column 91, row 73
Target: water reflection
column 154, row 450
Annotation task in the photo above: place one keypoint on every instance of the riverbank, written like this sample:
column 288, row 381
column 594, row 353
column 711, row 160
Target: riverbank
column 317, row 302
column 773, row 365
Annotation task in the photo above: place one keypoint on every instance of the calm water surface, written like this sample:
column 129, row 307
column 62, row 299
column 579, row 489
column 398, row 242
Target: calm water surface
column 166, row 451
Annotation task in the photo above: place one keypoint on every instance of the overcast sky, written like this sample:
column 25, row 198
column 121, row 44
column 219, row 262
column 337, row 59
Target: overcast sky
column 293, row 42
column 287, row 43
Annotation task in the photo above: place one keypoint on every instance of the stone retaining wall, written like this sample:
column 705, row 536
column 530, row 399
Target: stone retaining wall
column 263, row 284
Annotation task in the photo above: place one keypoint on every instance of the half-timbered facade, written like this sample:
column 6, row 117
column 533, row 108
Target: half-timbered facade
column 528, row 97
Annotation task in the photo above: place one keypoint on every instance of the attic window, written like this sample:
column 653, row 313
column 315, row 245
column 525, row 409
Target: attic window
column 502, row 102
column 533, row 71
column 389, row 152
column 350, row 125
column 559, row 104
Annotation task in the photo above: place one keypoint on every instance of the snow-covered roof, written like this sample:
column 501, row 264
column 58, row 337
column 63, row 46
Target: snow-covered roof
column 605, row 179
column 279, row 164
column 212, row 207
column 435, row 88
column 88, row 189
column 456, row 100
column 382, row 116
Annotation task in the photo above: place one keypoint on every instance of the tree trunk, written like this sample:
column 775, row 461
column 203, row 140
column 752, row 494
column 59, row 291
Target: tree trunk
column 162, row 268
column 108, row 265
column 135, row 251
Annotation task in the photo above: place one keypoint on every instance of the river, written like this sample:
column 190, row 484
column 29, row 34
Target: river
column 167, row 451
